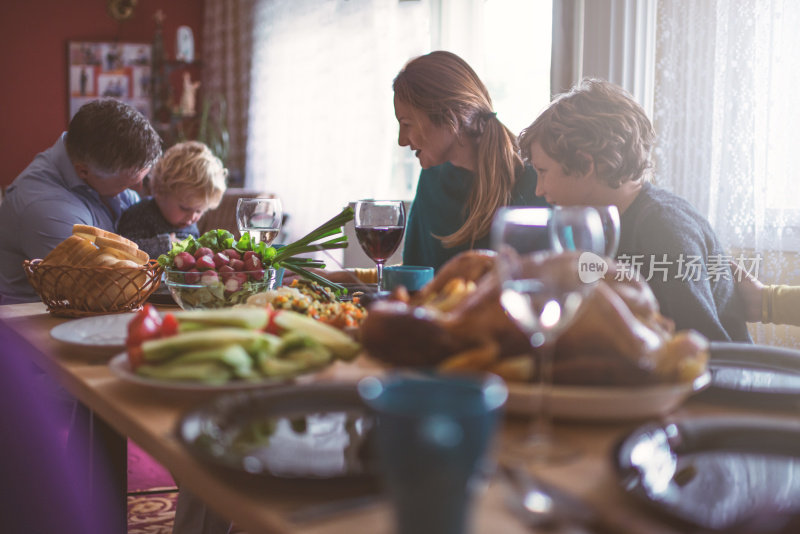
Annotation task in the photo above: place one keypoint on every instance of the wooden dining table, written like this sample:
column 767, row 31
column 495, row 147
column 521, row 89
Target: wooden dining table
column 121, row 410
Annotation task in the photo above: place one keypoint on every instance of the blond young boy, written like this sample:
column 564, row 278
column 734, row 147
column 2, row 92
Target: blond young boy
column 186, row 182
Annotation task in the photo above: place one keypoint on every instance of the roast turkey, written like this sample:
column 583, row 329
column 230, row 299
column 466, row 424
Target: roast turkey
column 456, row 322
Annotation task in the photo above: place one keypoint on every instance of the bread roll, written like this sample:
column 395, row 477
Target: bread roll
column 107, row 288
column 90, row 233
column 122, row 250
column 72, row 251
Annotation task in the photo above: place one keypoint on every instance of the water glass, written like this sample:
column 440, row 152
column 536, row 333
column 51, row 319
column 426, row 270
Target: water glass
column 259, row 217
column 433, row 436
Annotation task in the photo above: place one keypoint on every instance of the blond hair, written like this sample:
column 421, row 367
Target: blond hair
column 445, row 88
column 191, row 170
column 598, row 119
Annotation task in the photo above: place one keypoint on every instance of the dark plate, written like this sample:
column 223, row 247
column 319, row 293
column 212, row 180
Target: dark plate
column 161, row 297
column 362, row 290
column 754, row 375
column 355, row 286
column 719, row 474
column 299, row 433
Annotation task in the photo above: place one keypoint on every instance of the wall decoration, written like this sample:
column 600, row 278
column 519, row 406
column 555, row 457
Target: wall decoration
column 109, row 69
column 184, row 43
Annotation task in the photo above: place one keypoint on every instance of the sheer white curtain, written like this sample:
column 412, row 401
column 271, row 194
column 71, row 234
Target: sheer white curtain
column 322, row 128
column 726, row 114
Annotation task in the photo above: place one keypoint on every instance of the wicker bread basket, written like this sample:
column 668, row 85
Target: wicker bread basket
column 69, row 291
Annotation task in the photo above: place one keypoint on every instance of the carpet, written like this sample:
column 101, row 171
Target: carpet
column 151, row 513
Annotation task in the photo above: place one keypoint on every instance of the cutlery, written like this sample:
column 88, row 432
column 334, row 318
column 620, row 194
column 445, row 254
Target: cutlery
column 542, row 505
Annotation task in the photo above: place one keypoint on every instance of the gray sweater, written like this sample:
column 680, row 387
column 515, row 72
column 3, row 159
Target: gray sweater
column 693, row 283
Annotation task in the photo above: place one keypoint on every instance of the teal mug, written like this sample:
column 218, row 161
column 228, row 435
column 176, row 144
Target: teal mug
column 412, row 277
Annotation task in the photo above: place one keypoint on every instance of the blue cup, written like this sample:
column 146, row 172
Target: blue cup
column 412, row 277
column 433, row 434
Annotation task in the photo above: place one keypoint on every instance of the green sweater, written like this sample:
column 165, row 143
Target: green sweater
column 440, row 208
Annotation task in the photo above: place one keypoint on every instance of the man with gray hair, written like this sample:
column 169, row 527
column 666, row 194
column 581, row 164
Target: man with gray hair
column 84, row 178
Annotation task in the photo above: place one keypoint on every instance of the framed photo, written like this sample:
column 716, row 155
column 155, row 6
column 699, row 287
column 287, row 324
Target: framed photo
column 101, row 69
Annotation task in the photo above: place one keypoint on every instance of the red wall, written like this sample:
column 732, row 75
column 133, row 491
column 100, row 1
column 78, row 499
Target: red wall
column 33, row 71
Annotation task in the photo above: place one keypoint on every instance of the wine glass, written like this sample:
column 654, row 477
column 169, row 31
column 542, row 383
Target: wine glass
column 542, row 292
column 577, row 228
column 259, row 217
column 525, row 229
column 609, row 217
column 380, row 225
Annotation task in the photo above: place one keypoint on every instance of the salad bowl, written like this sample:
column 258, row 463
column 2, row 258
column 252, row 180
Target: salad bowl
column 213, row 289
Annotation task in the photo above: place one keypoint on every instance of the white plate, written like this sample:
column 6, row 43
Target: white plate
column 106, row 331
column 121, row 367
column 592, row 403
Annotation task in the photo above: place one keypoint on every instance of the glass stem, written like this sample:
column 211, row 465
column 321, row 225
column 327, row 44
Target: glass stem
column 379, row 265
column 541, row 425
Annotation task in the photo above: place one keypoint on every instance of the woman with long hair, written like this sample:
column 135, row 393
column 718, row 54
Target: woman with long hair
column 470, row 160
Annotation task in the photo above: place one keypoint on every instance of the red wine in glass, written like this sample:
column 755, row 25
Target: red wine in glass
column 379, row 225
column 379, row 242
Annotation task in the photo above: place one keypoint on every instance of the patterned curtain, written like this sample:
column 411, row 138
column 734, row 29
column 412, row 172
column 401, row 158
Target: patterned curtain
column 726, row 115
column 227, row 47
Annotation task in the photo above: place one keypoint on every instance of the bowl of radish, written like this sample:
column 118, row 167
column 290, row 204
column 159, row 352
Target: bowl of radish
column 208, row 279
column 216, row 270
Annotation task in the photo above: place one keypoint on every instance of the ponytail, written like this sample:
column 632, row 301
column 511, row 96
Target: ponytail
column 498, row 165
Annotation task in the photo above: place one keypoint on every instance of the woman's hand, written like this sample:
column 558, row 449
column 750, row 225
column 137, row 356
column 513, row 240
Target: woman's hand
column 750, row 290
column 337, row 277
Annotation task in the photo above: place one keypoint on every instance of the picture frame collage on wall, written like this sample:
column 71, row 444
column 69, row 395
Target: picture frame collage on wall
column 109, row 69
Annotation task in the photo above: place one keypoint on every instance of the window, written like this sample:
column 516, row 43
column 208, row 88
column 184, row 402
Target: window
column 322, row 130
column 518, row 37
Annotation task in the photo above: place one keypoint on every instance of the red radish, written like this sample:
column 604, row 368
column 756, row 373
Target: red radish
column 237, row 265
column 232, row 253
column 256, row 275
column 232, row 284
column 205, row 263
column 221, row 259
column 252, row 263
column 184, row 261
column 249, row 254
column 203, row 251
column 209, row 278
column 225, row 272
column 192, row 276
